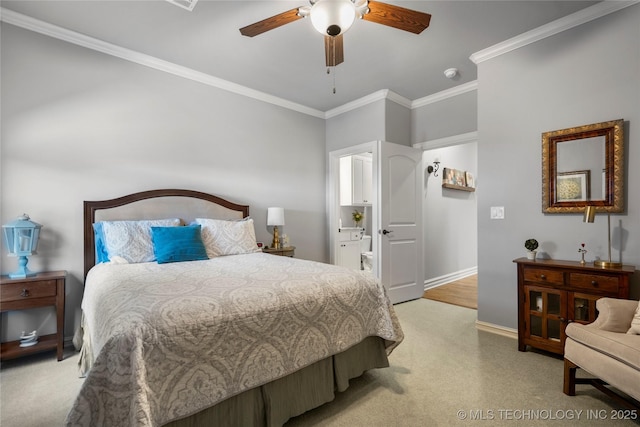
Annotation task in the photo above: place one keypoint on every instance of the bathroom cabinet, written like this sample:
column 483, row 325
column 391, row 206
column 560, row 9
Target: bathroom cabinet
column 356, row 176
column 348, row 250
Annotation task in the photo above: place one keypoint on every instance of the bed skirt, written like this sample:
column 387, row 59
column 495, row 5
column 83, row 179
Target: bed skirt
column 276, row 402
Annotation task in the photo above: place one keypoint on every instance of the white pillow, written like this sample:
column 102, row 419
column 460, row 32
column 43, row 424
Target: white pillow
column 635, row 322
column 131, row 240
column 221, row 237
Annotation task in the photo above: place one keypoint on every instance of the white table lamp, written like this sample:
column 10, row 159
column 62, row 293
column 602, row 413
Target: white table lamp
column 275, row 217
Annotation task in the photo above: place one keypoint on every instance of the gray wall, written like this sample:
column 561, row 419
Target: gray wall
column 448, row 117
column 449, row 216
column 585, row 75
column 79, row 125
column 364, row 124
column 397, row 124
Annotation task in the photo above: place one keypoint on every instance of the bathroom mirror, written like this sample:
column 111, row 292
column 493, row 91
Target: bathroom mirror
column 583, row 166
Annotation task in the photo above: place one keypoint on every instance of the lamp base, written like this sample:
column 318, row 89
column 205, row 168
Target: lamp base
column 275, row 244
column 607, row 264
column 23, row 272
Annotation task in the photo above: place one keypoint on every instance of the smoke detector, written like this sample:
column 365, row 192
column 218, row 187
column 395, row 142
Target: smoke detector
column 450, row 73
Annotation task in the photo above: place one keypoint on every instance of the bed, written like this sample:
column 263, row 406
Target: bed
column 235, row 338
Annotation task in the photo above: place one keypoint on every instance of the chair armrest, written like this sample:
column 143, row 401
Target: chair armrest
column 615, row 314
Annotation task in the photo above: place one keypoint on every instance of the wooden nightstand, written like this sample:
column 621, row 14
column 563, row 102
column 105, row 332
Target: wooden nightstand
column 42, row 290
column 288, row 251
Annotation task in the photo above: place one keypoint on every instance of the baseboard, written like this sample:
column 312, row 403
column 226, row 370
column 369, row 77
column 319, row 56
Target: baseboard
column 497, row 329
column 448, row 278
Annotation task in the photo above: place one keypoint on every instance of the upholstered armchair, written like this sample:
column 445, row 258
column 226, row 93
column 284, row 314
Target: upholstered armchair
column 608, row 349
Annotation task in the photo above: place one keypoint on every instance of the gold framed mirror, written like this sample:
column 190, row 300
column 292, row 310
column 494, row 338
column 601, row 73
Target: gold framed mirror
column 583, row 166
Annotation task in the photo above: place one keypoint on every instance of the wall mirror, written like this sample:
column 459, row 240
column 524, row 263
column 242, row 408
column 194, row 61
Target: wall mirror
column 583, row 166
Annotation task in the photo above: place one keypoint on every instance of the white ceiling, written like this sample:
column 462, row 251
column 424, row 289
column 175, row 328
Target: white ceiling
column 288, row 62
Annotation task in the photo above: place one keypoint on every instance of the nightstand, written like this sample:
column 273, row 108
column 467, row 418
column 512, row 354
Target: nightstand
column 288, row 251
column 42, row 290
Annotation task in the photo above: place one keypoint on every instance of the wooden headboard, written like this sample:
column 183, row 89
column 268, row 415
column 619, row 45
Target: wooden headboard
column 155, row 204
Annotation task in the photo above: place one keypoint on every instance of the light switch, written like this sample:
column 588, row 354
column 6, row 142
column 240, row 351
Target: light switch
column 497, row 212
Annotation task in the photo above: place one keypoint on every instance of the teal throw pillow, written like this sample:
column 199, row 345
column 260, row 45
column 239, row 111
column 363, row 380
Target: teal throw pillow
column 176, row 244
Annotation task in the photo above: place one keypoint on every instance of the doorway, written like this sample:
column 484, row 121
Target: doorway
column 396, row 216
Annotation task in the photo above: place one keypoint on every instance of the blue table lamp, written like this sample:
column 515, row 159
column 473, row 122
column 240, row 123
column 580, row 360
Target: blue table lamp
column 21, row 237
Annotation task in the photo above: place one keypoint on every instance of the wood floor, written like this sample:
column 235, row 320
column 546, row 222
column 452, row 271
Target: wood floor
column 463, row 292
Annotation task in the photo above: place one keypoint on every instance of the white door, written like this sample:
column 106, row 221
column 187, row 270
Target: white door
column 399, row 185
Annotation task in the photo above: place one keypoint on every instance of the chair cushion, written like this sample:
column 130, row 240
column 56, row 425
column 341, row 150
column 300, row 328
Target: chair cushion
column 621, row 346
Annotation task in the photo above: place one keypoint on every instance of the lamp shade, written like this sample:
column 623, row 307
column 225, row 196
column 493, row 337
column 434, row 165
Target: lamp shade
column 21, row 236
column 332, row 17
column 275, row 216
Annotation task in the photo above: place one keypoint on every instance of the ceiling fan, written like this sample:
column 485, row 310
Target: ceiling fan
column 333, row 18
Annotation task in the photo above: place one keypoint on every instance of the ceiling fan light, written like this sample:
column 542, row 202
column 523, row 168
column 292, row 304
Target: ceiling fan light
column 332, row 17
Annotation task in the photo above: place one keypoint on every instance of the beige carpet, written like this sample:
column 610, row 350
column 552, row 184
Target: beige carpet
column 445, row 370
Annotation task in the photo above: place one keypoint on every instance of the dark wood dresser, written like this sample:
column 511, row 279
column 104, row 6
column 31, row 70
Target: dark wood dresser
column 552, row 293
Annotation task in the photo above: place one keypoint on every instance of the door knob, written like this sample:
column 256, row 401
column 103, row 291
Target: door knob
column 385, row 232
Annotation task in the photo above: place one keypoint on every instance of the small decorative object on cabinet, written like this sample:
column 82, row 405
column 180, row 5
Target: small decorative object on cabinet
column 357, row 217
column 552, row 293
column 285, row 251
column 21, row 237
column 531, row 245
column 40, row 290
column 275, row 217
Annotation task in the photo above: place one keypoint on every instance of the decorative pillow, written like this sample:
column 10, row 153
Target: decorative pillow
column 101, row 250
column 635, row 323
column 176, row 244
column 222, row 237
column 131, row 240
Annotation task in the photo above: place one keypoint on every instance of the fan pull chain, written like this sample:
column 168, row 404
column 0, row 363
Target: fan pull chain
column 334, row 80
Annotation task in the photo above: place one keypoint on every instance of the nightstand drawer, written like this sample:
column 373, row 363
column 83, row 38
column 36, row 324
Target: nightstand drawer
column 27, row 290
column 593, row 282
column 539, row 275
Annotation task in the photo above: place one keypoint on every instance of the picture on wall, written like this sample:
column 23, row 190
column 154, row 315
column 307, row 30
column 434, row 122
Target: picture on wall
column 470, row 180
column 573, row 186
column 454, row 177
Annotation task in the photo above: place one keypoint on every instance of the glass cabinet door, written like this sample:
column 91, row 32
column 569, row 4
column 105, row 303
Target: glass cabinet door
column 582, row 307
column 545, row 313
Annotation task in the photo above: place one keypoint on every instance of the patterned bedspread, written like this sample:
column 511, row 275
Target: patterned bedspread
column 169, row 340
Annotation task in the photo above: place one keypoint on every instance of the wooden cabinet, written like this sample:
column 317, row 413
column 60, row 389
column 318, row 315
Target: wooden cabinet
column 289, row 251
column 356, row 177
column 552, row 293
column 41, row 290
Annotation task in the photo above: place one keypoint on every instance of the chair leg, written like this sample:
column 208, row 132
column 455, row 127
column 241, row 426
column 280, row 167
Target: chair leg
column 569, row 387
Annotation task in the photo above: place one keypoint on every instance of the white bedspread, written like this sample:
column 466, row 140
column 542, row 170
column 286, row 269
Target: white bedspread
column 172, row 339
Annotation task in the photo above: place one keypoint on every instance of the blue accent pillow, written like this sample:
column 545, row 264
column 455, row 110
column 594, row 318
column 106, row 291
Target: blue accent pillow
column 101, row 250
column 176, row 244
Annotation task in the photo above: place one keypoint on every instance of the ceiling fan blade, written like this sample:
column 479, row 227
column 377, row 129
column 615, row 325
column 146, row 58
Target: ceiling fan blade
column 333, row 50
column 270, row 23
column 397, row 17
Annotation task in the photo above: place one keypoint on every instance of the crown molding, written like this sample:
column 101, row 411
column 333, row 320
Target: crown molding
column 54, row 31
column 448, row 141
column 360, row 102
column 445, row 94
column 580, row 17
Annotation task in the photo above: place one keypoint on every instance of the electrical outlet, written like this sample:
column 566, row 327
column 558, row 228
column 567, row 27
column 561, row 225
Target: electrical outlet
column 497, row 212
